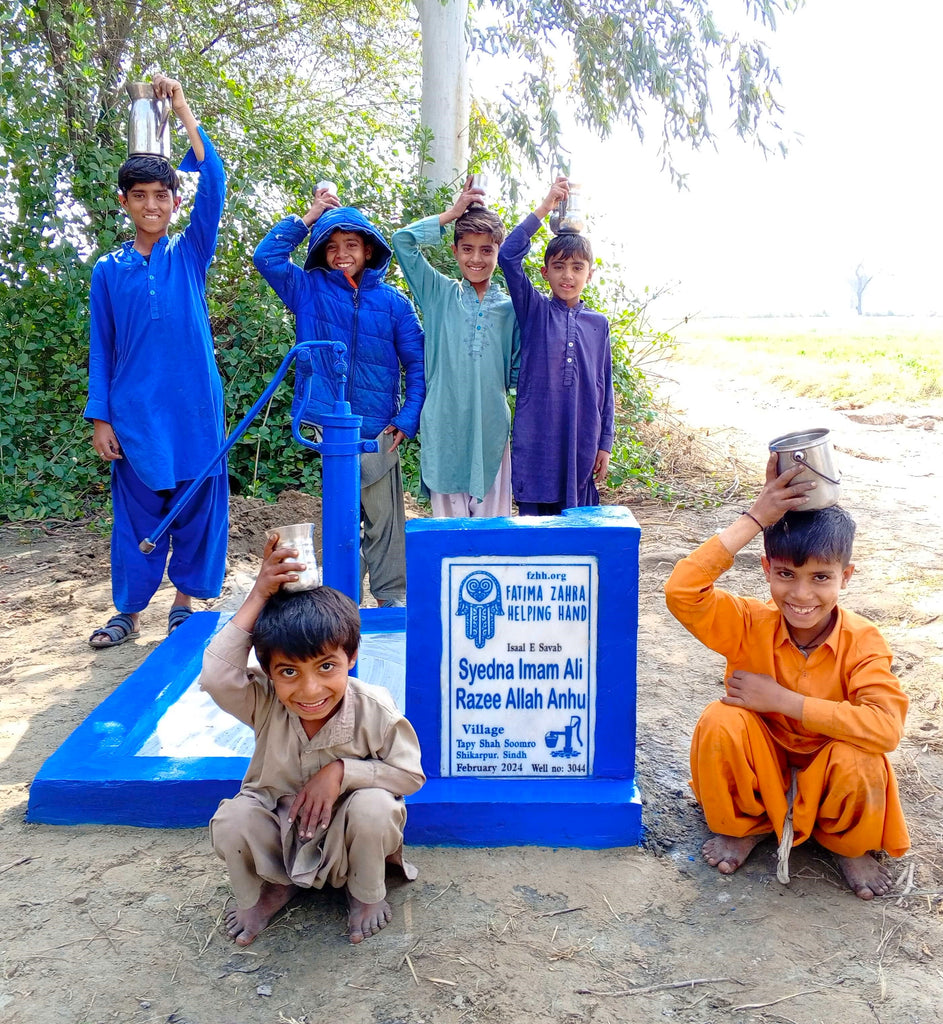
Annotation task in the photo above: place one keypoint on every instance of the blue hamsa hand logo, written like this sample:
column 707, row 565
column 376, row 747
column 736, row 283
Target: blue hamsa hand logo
column 479, row 600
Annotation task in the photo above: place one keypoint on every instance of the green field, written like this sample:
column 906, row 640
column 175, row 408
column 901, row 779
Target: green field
column 857, row 362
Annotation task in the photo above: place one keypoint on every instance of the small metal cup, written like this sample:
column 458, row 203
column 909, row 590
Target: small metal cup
column 479, row 180
column 566, row 218
column 299, row 536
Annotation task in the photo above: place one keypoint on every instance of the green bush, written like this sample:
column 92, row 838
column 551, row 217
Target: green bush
column 47, row 465
column 48, row 468
column 634, row 344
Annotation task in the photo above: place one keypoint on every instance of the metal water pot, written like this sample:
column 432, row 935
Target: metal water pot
column 811, row 449
column 148, row 128
column 299, row 536
column 567, row 217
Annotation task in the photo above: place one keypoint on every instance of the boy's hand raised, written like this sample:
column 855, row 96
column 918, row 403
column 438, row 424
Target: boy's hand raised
column 323, row 200
column 171, row 89
column 314, row 804
column 466, row 197
column 278, row 567
column 559, row 191
column 780, row 494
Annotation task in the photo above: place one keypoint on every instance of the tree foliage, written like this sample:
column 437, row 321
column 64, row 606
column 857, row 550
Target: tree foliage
column 291, row 91
column 636, row 62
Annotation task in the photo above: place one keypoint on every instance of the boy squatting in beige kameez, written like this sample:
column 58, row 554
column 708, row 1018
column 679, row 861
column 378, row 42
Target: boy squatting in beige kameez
column 322, row 800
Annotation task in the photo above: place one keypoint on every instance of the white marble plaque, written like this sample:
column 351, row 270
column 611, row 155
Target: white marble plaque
column 518, row 666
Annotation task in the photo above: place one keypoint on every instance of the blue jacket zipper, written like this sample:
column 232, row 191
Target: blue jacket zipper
column 353, row 345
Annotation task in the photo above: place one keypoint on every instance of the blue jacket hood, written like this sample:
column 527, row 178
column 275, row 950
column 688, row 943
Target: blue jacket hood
column 346, row 218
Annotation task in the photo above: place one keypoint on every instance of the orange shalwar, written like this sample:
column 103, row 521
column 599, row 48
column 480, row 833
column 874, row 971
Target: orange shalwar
column 854, row 710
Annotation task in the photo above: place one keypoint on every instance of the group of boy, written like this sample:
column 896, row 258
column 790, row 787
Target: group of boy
column 158, row 421
column 798, row 743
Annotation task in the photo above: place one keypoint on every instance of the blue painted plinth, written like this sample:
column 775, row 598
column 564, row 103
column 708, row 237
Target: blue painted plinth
column 593, row 814
column 95, row 777
column 587, row 796
column 521, row 679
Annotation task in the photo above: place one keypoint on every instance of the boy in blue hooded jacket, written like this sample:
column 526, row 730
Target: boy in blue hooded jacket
column 341, row 295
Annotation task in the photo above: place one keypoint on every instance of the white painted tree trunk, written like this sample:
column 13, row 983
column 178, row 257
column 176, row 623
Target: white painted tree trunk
column 445, row 106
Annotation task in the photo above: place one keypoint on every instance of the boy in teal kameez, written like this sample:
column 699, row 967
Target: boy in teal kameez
column 471, row 359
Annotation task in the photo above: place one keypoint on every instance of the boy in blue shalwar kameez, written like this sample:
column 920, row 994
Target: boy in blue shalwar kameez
column 154, row 394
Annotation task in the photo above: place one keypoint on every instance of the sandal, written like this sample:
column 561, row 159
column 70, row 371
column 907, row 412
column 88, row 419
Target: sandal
column 177, row 617
column 117, row 630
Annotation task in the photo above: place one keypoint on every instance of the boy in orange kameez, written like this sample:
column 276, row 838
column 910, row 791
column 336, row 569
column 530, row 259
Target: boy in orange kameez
column 809, row 694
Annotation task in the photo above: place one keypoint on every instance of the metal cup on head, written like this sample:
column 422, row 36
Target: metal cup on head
column 811, row 449
column 479, row 180
column 567, row 217
column 299, row 536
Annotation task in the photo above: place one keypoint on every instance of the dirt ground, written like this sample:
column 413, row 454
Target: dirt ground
column 104, row 924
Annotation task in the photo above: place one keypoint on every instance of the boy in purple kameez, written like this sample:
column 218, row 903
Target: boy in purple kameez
column 565, row 416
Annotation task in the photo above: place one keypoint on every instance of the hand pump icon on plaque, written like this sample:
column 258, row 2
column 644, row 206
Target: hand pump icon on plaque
column 566, row 734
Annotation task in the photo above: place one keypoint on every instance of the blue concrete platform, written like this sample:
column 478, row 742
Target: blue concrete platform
column 99, row 776
column 593, row 814
column 519, row 676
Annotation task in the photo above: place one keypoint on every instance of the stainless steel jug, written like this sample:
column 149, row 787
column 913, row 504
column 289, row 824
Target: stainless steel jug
column 566, row 218
column 148, row 128
column 812, row 450
column 299, row 536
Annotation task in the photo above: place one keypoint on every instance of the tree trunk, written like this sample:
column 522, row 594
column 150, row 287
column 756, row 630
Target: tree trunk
column 445, row 105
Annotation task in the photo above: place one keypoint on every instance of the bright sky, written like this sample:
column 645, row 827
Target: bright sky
column 784, row 235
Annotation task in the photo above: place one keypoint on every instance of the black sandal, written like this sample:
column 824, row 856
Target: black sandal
column 116, row 631
column 179, row 614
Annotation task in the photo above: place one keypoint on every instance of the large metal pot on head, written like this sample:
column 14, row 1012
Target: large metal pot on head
column 148, row 128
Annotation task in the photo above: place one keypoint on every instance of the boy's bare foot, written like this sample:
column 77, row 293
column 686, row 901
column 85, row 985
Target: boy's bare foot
column 366, row 919
column 866, row 877
column 243, row 925
column 727, row 853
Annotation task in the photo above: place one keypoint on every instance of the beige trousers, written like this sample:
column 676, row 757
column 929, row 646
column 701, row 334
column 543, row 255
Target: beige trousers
column 259, row 845
column 497, row 502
